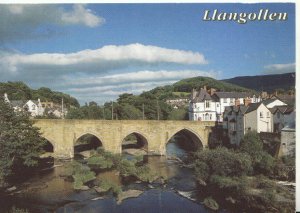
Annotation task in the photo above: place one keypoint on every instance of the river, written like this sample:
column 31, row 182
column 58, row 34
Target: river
column 48, row 191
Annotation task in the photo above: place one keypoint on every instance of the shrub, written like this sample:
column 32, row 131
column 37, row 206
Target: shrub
column 221, row 161
column 100, row 162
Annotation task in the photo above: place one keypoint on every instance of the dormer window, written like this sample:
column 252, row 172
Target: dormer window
column 33, row 107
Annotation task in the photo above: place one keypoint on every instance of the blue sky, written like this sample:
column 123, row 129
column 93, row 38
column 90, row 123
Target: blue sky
column 98, row 51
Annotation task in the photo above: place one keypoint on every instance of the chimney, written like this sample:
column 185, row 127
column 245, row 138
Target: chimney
column 6, row 98
column 193, row 93
column 247, row 101
column 212, row 91
column 237, row 102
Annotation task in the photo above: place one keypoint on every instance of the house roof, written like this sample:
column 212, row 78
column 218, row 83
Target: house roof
column 243, row 109
column 252, row 107
column 283, row 109
column 270, row 100
column 201, row 96
column 232, row 94
column 17, row 103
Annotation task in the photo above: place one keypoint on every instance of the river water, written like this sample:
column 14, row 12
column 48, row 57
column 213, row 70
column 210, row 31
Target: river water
column 47, row 191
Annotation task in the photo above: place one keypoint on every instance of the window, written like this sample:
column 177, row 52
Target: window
column 207, row 104
column 268, row 114
column 33, row 107
column 231, row 100
column 206, row 116
column 278, row 115
column 225, row 100
column 261, row 114
column 217, row 105
column 210, row 117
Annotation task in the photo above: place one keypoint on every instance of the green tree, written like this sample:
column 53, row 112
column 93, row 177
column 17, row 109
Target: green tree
column 252, row 145
column 20, row 143
column 222, row 162
column 261, row 160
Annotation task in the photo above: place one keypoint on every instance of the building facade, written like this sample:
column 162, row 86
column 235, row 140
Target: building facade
column 210, row 105
column 238, row 120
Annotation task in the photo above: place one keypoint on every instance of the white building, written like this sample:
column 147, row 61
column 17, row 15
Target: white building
column 210, row 107
column 34, row 107
column 202, row 106
column 239, row 120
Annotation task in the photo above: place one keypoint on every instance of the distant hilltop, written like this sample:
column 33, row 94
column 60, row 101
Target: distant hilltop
column 268, row 83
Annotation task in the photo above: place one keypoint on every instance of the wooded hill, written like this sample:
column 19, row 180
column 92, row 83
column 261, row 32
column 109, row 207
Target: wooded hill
column 268, row 83
column 20, row 91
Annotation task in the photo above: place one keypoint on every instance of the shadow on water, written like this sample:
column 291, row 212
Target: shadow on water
column 48, row 191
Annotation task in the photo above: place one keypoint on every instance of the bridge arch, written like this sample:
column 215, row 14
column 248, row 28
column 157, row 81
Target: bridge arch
column 50, row 145
column 141, row 142
column 87, row 141
column 193, row 136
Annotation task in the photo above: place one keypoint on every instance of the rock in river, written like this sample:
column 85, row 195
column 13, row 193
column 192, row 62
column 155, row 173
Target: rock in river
column 128, row 194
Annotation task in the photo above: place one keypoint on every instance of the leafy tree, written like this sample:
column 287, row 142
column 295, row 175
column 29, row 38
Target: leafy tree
column 252, row 145
column 262, row 161
column 178, row 114
column 20, row 143
column 222, row 162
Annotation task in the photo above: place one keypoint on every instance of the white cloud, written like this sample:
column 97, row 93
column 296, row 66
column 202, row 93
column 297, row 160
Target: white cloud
column 99, row 60
column 102, row 73
column 109, row 87
column 81, row 15
column 280, row 68
column 139, row 78
column 22, row 21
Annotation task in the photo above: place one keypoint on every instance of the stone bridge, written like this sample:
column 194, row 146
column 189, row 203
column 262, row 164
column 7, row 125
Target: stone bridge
column 63, row 134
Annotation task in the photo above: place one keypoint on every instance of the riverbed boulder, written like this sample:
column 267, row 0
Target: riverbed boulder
column 211, row 203
column 128, row 194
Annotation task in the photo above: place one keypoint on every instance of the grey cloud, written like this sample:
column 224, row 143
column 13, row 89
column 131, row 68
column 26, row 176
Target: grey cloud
column 23, row 21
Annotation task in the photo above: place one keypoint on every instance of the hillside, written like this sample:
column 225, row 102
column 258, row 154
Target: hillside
column 185, row 86
column 268, row 83
column 20, row 91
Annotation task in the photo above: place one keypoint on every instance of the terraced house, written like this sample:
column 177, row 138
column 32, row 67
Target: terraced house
column 209, row 105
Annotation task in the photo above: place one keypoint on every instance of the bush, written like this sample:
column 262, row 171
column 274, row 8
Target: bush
column 252, row 145
column 221, row 161
column 266, row 164
column 233, row 185
column 97, row 161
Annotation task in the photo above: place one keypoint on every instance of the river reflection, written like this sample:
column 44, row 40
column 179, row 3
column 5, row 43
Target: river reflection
column 48, row 191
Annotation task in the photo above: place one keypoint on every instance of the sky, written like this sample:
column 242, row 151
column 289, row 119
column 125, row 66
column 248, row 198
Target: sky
column 95, row 52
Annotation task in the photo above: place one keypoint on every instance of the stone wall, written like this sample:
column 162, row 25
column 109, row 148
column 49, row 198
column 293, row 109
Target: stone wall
column 63, row 134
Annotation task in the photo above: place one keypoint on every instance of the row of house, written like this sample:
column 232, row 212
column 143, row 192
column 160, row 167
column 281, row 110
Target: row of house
column 36, row 107
column 209, row 105
column 270, row 115
column 239, row 113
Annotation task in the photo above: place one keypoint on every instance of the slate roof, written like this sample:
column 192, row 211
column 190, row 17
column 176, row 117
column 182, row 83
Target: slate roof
column 232, row 94
column 252, row 107
column 17, row 103
column 268, row 101
column 201, row 96
column 243, row 108
column 283, row 109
